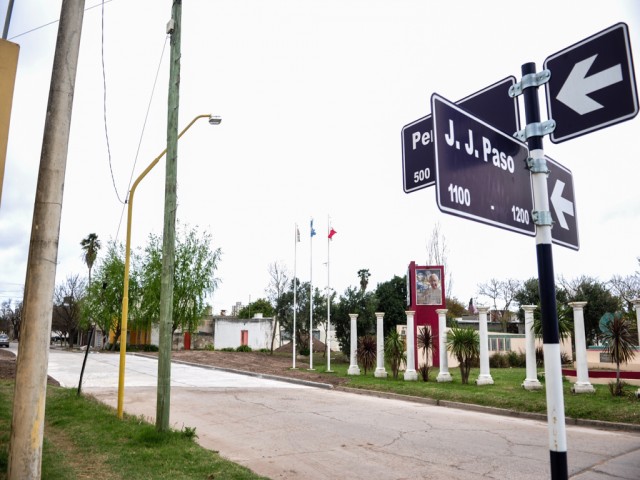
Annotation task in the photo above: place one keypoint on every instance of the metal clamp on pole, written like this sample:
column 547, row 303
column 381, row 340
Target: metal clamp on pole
column 542, row 218
column 537, row 165
column 529, row 80
column 537, row 129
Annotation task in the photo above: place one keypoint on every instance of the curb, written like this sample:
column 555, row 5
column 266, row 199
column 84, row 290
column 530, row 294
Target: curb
column 579, row 422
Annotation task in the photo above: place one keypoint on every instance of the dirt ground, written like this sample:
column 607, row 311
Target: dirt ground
column 278, row 364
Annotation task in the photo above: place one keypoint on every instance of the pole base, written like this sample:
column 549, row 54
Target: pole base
column 411, row 375
column 353, row 370
column 380, row 373
column 444, row 377
column 485, row 379
column 532, row 384
column 582, row 387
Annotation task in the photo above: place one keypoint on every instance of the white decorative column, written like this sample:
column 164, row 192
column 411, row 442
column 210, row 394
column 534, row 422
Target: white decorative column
column 531, row 382
column 636, row 306
column 485, row 376
column 410, row 373
column 444, row 375
column 380, row 370
column 353, row 362
column 582, row 384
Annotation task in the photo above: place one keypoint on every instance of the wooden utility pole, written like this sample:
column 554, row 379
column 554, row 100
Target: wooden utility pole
column 169, row 235
column 27, row 426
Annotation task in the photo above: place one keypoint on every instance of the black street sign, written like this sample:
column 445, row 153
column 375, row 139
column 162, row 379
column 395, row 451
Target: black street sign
column 562, row 204
column 492, row 104
column 481, row 172
column 592, row 84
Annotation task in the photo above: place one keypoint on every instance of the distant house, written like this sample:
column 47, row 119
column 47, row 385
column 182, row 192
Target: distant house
column 232, row 332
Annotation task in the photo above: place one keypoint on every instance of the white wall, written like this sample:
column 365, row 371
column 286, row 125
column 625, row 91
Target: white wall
column 228, row 333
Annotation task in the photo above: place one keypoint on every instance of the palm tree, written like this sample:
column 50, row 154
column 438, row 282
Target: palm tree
column 425, row 343
column 367, row 352
column 90, row 247
column 394, row 351
column 618, row 340
column 364, row 275
column 464, row 343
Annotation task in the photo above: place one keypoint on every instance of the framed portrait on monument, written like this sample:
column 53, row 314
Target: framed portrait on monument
column 429, row 289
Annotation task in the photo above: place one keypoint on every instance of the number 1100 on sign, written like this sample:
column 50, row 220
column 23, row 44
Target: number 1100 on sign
column 459, row 195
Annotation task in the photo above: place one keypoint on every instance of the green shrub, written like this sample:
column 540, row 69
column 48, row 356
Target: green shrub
column 228, row 349
column 244, row 348
column 517, row 359
column 424, row 372
column 394, row 352
column 616, row 388
column 209, row 348
column 498, row 360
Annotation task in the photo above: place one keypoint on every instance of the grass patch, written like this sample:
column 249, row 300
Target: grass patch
column 506, row 392
column 84, row 439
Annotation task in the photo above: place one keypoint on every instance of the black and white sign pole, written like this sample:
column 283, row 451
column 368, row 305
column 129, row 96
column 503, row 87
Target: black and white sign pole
column 546, row 280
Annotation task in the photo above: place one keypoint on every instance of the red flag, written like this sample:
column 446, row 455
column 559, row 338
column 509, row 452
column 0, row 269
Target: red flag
column 332, row 233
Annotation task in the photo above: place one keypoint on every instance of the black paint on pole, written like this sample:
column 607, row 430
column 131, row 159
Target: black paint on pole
column 547, row 288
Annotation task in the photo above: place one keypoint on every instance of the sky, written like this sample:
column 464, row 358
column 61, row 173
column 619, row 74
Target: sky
column 313, row 97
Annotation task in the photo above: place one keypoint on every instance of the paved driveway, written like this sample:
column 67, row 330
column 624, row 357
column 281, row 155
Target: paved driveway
column 287, row 431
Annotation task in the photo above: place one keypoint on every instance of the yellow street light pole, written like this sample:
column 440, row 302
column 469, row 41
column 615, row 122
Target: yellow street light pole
column 213, row 120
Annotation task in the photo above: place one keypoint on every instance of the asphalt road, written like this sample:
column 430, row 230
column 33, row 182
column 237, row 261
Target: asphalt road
column 287, row 431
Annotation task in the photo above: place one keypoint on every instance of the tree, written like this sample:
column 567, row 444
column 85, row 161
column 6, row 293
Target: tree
column 626, row 288
column 599, row 301
column 361, row 303
column 464, row 344
column 67, row 301
column 364, row 275
column 438, row 253
column 90, row 246
column 261, row 305
column 391, row 299
column 278, row 279
column 284, row 310
column 195, row 265
column 366, row 352
column 619, row 342
column 394, row 352
column 502, row 291
column 455, row 308
column 103, row 302
column 10, row 318
column 424, row 342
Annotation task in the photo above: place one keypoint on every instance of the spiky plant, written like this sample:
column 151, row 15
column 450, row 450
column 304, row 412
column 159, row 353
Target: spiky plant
column 424, row 340
column 619, row 342
column 366, row 352
column 394, row 352
column 464, row 344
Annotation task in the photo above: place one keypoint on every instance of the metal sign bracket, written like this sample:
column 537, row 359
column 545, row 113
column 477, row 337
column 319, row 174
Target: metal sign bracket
column 537, row 129
column 529, row 80
column 541, row 218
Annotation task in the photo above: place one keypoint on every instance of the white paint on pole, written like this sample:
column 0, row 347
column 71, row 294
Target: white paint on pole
column 443, row 375
column 485, row 376
column 380, row 372
column 582, row 384
column 531, row 381
column 555, row 400
column 353, row 363
column 410, row 373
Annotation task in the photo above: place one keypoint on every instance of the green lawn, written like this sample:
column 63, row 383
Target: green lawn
column 85, row 439
column 506, row 392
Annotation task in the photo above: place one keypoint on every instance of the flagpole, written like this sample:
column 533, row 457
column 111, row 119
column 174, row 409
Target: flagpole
column 328, row 298
column 296, row 239
column 311, row 298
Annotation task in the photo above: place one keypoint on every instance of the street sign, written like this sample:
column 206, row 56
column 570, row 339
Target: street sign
column 492, row 104
column 562, row 204
column 481, row 172
column 592, row 84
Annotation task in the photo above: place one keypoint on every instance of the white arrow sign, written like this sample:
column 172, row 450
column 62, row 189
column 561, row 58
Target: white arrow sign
column 560, row 204
column 575, row 90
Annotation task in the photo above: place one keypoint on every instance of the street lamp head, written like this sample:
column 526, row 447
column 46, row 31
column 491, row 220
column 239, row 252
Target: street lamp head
column 215, row 119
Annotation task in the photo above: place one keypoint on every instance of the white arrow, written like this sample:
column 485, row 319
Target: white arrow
column 561, row 205
column 577, row 85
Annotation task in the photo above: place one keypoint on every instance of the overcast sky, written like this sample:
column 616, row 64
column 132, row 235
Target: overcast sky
column 313, row 96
